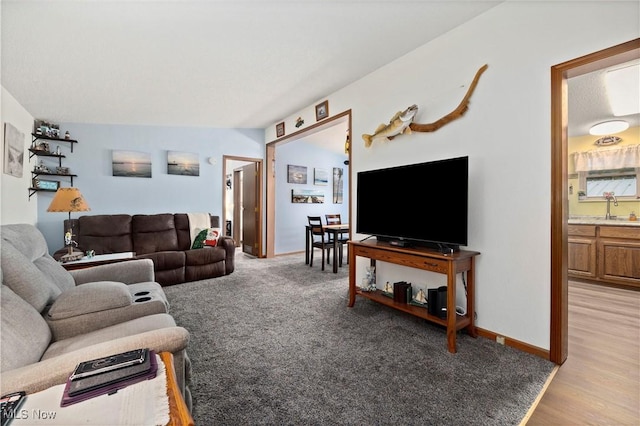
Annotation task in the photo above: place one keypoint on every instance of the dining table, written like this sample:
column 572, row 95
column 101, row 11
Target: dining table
column 334, row 230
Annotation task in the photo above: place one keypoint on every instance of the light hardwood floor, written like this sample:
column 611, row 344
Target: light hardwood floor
column 599, row 383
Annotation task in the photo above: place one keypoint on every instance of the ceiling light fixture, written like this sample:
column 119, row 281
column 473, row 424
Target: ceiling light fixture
column 609, row 127
column 623, row 90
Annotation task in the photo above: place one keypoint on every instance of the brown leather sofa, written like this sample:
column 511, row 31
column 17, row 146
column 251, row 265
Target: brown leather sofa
column 164, row 238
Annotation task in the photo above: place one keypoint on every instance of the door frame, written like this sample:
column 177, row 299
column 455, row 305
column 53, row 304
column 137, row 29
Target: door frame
column 270, row 156
column 260, row 166
column 558, row 345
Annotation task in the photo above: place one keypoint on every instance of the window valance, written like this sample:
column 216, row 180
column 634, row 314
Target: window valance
column 607, row 159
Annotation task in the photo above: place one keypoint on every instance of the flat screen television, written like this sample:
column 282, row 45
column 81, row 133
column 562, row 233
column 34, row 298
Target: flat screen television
column 423, row 204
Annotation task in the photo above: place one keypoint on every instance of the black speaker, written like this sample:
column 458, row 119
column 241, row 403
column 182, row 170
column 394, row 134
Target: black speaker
column 442, row 302
column 437, row 301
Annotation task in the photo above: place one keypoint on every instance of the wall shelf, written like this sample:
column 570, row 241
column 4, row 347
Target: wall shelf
column 42, row 150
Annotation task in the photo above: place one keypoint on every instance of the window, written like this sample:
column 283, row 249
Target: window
column 622, row 182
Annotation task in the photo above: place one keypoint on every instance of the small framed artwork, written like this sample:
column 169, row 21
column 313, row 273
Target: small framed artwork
column 320, row 177
column 131, row 164
column 296, row 174
column 13, row 151
column 280, row 129
column 307, row 196
column 322, row 110
column 183, row 163
column 338, row 184
column 48, row 185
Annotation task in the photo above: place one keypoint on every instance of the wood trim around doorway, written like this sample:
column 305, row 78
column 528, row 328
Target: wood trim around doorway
column 270, row 173
column 260, row 167
column 558, row 346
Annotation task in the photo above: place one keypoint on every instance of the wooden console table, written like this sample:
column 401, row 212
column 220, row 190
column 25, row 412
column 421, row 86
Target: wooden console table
column 429, row 260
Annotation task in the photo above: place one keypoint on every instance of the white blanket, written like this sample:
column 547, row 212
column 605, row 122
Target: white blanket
column 198, row 222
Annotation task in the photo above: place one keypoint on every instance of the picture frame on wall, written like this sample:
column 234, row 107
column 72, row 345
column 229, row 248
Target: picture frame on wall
column 280, row 129
column 307, row 196
column 338, row 185
column 13, row 151
column 322, row 110
column 131, row 164
column 46, row 185
column 183, row 163
column 320, row 176
column 296, row 174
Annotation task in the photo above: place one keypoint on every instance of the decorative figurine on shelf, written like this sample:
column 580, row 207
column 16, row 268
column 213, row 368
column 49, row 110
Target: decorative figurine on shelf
column 299, row 122
column 420, row 297
column 371, row 278
column 58, row 150
column 388, row 288
column 67, row 135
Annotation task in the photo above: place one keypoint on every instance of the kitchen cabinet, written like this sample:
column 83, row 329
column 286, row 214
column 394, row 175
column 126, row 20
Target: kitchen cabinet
column 605, row 253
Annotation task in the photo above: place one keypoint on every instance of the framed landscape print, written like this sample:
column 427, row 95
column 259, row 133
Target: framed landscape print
column 296, row 174
column 183, row 163
column 320, row 176
column 307, row 196
column 131, row 164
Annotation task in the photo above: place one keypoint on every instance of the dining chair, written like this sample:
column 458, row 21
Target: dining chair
column 343, row 238
column 318, row 239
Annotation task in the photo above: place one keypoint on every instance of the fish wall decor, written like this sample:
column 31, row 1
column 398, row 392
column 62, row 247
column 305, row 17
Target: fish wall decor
column 402, row 122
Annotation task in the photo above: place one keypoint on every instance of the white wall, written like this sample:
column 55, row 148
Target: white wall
column 15, row 205
column 506, row 134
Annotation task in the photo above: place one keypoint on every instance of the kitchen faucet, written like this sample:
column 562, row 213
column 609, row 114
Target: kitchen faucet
column 610, row 196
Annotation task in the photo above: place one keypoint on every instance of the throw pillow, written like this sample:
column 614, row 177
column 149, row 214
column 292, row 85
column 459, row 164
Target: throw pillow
column 206, row 237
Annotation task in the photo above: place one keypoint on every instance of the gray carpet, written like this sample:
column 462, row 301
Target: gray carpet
column 275, row 343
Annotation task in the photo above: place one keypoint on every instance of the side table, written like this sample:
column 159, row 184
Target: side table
column 43, row 408
column 100, row 259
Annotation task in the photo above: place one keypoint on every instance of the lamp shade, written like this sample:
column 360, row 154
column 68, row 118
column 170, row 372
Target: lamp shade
column 68, row 200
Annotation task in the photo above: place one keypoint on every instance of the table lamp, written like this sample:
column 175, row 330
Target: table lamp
column 69, row 200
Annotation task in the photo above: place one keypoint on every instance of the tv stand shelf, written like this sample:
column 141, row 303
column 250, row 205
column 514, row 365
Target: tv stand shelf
column 426, row 259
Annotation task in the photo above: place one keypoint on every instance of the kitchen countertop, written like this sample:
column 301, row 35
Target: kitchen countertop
column 599, row 220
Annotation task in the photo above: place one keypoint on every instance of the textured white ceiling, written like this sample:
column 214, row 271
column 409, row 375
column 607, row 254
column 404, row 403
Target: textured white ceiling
column 229, row 64
column 588, row 103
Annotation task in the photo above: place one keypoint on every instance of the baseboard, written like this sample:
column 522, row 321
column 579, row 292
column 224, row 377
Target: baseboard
column 517, row 344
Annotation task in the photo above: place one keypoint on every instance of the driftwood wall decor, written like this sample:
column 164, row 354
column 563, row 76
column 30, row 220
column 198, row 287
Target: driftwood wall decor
column 402, row 122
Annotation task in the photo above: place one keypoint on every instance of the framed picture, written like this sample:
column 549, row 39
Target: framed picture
column 131, row 164
column 322, row 110
column 296, row 174
column 49, row 185
column 13, row 151
column 338, row 184
column 183, row 163
column 320, row 177
column 280, row 129
column 307, row 196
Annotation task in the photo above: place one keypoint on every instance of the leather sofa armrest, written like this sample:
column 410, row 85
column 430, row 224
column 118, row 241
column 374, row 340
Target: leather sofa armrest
column 54, row 371
column 229, row 246
column 128, row 272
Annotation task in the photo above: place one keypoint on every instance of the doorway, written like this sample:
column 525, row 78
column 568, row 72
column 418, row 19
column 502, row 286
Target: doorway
column 558, row 347
column 343, row 117
column 242, row 201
